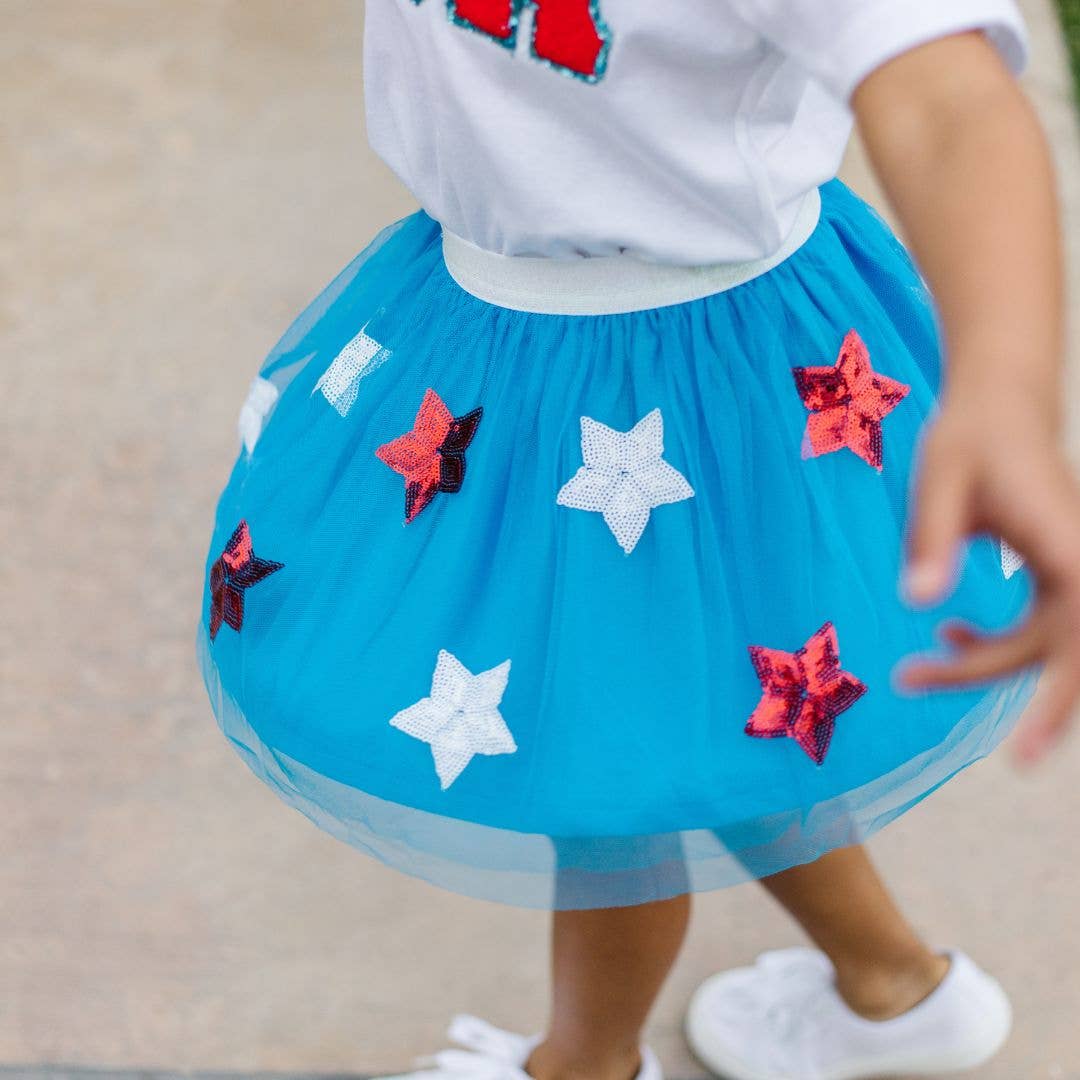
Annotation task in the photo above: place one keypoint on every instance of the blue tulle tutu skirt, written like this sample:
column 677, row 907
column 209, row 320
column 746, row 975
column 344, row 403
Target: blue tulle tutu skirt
column 576, row 611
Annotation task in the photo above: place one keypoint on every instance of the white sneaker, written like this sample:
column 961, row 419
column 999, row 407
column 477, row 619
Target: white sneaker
column 782, row 1019
column 494, row 1054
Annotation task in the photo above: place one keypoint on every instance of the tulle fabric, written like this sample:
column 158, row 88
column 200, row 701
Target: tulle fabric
column 631, row 684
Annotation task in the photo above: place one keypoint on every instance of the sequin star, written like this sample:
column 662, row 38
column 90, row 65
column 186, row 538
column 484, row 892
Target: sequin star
column 261, row 398
column 804, row 692
column 431, row 457
column 237, row 569
column 847, row 403
column 461, row 717
column 340, row 382
column 1011, row 559
column 624, row 476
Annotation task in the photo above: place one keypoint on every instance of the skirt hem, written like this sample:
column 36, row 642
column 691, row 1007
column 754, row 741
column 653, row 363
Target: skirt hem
column 535, row 870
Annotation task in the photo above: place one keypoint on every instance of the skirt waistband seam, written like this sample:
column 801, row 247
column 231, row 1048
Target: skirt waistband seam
column 607, row 284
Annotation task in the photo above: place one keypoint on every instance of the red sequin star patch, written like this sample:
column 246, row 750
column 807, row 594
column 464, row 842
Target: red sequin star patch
column 847, row 402
column 431, row 457
column 237, row 569
column 804, row 692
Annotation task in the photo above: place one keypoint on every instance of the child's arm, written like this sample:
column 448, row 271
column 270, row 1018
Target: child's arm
column 964, row 162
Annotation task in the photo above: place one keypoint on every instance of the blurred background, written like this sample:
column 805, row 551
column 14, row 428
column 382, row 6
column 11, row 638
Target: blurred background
column 177, row 179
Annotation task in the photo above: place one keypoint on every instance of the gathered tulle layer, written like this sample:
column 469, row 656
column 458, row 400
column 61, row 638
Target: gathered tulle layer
column 587, row 610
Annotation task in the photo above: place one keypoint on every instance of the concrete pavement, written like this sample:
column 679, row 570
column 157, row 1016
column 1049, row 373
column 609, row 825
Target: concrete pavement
column 179, row 178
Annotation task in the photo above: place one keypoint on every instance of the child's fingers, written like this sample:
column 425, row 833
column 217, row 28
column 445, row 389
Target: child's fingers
column 1041, row 519
column 958, row 632
column 977, row 657
column 1050, row 712
column 938, row 527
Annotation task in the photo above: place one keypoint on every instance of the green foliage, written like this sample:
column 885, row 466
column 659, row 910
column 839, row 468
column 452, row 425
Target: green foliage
column 1070, row 21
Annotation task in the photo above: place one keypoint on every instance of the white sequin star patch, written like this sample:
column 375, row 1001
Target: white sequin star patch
column 624, row 476
column 340, row 383
column 261, row 398
column 1011, row 560
column 461, row 717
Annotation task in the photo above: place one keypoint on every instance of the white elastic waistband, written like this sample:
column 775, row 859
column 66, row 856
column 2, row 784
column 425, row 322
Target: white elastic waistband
column 605, row 284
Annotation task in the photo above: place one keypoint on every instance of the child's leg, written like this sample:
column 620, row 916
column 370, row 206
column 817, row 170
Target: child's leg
column 883, row 967
column 791, row 1013
column 607, row 967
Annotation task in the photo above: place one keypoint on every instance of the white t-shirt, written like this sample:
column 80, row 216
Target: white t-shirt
column 682, row 131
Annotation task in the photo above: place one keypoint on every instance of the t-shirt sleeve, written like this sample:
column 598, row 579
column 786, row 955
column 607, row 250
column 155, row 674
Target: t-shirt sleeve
column 840, row 42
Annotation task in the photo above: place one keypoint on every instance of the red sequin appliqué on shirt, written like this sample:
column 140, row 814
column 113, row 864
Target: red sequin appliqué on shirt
column 431, row 457
column 803, row 692
column 570, row 35
column 237, row 569
column 847, row 402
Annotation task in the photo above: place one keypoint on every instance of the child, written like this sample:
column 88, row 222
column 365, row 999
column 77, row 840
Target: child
column 560, row 563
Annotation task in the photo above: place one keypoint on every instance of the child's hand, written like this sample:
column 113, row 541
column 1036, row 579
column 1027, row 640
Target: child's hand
column 968, row 170
column 993, row 465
